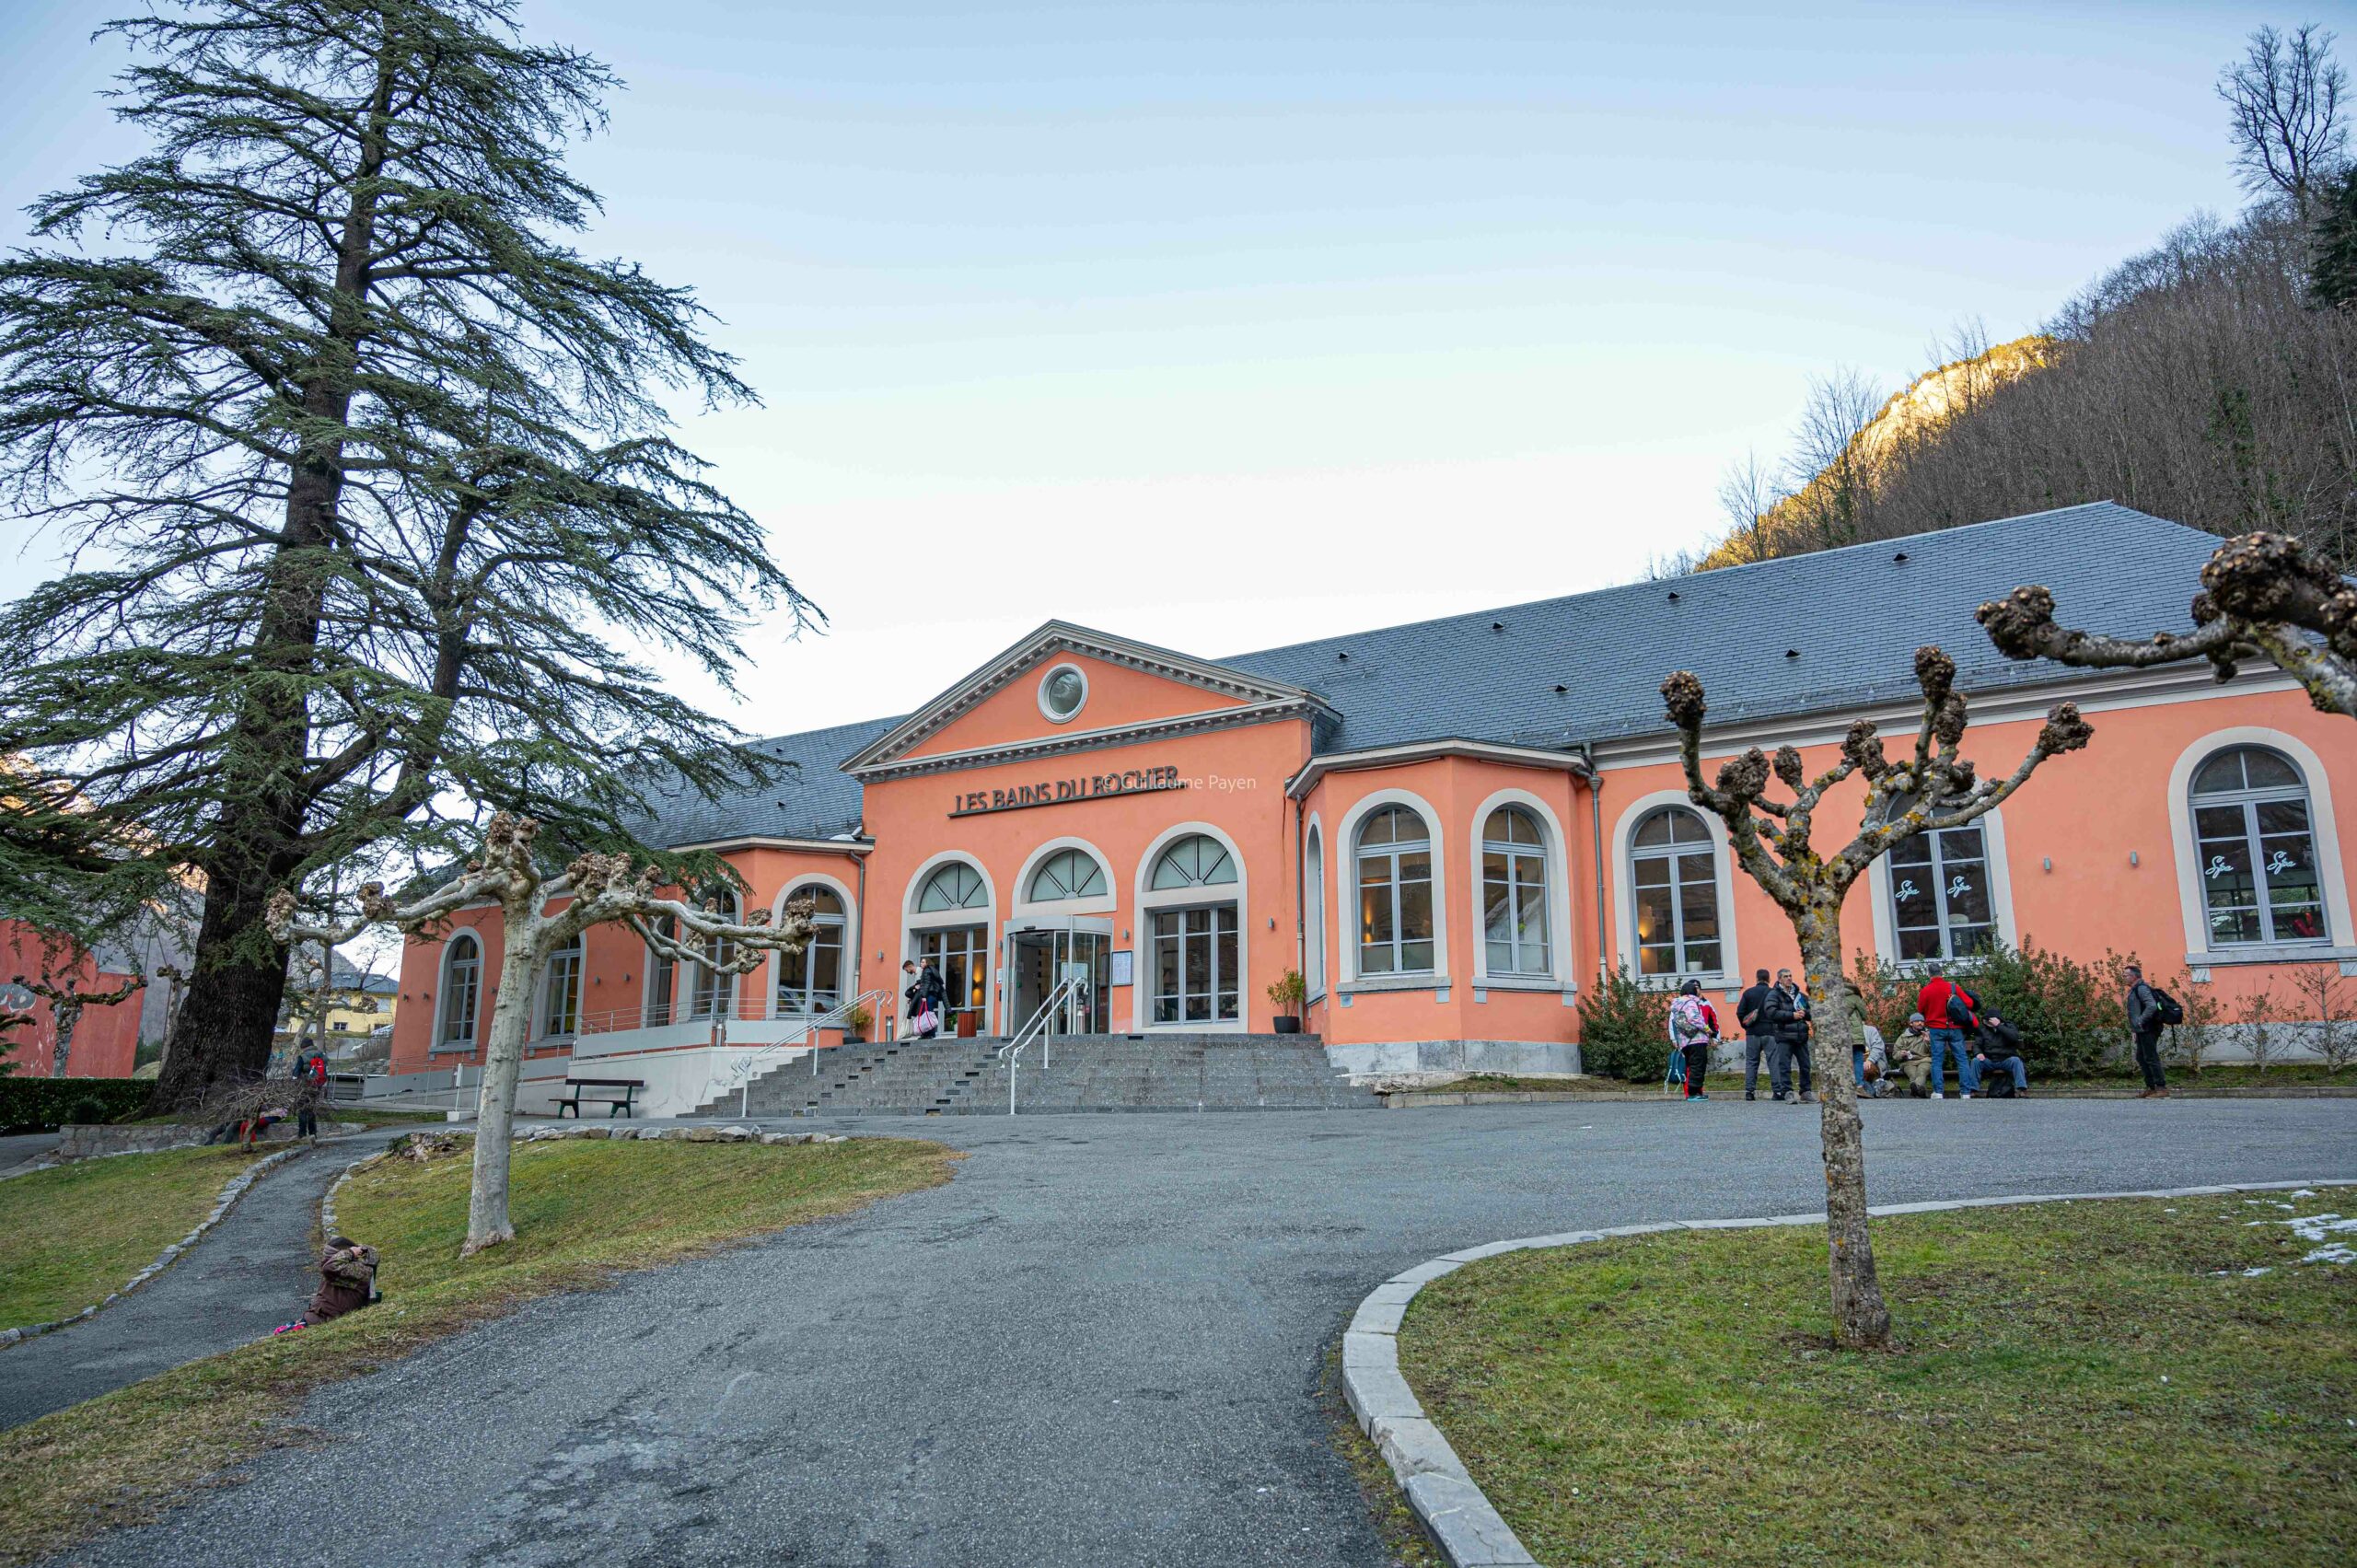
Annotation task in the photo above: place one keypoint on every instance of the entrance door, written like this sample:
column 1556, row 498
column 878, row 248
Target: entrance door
column 1038, row 960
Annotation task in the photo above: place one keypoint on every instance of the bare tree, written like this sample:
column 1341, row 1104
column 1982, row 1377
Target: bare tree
column 61, row 958
column 2324, row 998
column 602, row 888
column 1831, row 471
column 2262, row 596
column 1930, row 789
column 2283, row 100
column 1748, row 494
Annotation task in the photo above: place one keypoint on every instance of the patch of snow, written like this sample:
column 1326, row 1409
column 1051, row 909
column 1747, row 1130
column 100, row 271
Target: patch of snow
column 2338, row 1252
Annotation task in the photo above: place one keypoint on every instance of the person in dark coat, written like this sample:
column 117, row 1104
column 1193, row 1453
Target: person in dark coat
column 1756, row 1010
column 1792, row 1032
column 2144, row 1024
column 936, row 994
column 2000, row 1045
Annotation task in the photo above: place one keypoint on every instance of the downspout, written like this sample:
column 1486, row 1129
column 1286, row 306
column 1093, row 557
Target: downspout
column 1596, row 847
column 1301, row 902
column 857, row 952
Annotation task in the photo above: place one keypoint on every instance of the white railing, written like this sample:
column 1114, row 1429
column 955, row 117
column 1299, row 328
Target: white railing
column 747, row 1068
column 721, row 1010
column 1041, row 1025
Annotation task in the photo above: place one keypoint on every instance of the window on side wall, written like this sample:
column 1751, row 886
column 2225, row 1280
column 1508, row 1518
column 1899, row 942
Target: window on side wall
column 2256, row 850
column 1940, row 906
column 1514, row 893
column 1673, row 869
column 1395, row 866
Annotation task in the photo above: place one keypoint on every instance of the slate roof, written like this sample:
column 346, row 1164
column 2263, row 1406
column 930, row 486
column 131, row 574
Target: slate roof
column 1801, row 635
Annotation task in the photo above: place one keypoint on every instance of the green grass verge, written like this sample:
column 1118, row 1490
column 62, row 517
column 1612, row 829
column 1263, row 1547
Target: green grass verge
column 69, row 1235
column 2093, row 1383
column 584, row 1212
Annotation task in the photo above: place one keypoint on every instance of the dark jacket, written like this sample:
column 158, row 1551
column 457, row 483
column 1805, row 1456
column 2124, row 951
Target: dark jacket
column 935, row 993
column 2143, row 1009
column 1999, row 1041
column 1793, row 1023
column 1764, row 1006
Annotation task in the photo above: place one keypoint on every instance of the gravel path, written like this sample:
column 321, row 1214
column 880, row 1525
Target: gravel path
column 1100, row 1345
column 251, row 1271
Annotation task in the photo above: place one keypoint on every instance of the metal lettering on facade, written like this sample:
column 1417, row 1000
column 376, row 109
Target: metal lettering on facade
column 1062, row 792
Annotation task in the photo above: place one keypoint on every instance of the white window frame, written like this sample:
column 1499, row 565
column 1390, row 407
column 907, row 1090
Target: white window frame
column 1150, row 901
column 1436, row 897
column 1557, row 975
column 1313, row 946
column 473, row 1040
column 914, row 925
column 2001, row 896
column 552, row 976
column 847, row 924
column 1935, row 841
column 2193, row 907
column 1624, row 883
column 709, row 985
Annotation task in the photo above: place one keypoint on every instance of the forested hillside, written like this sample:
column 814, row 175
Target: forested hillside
column 2212, row 380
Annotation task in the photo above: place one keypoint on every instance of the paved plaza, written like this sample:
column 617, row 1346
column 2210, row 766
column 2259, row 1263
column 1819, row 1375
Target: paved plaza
column 1103, row 1343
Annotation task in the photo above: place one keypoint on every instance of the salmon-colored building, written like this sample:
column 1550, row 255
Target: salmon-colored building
column 1451, row 829
column 105, row 1042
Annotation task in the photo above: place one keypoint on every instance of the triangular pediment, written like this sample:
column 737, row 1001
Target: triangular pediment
column 1125, row 689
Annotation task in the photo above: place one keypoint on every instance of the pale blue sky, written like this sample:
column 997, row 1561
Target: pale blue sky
column 1222, row 326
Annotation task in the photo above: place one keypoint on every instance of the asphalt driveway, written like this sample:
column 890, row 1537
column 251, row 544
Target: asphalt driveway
column 1099, row 1345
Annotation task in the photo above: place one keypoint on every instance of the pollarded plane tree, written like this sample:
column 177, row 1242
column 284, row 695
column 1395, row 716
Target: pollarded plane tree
column 1930, row 788
column 2263, row 596
column 62, row 961
column 600, row 889
column 360, row 467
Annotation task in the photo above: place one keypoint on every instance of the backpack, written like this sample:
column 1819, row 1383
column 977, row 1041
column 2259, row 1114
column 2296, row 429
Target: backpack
column 1960, row 1005
column 2172, row 1011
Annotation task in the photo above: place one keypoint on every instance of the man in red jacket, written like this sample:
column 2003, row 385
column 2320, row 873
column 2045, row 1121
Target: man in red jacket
column 1950, row 1028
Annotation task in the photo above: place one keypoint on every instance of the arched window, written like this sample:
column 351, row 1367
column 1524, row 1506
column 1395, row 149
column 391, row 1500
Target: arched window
column 715, row 992
column 955, row 886
column 2255, row 841
column 1197, row 954
column 1514, row 892
column 1673, row 866
column 811, row 982
column 1196, row 861
column 662, row 975
column 1067, row 874
column 1395, row 861
column 1939, row 894
column 560, row 991
column 1314, row 917
column 461, row 989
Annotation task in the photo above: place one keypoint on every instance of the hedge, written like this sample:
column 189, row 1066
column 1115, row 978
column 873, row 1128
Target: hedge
column 34, row 1103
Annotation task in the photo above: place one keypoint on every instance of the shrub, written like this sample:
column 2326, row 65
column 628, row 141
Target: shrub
column 1624, row 1029
column 2190, row 1042
column 35, row 1103
column 2325, row 998
column 2070, row 1015
column 2257, row 1017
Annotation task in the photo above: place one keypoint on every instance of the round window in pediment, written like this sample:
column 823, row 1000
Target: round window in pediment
column 1061, row 692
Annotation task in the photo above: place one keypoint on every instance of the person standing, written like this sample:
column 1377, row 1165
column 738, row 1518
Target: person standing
column 1755, row 1011
column 936, row 994
column 1948, row 1008
column 1792, row 1032
column 1693, row 1029
column 2144, row 1021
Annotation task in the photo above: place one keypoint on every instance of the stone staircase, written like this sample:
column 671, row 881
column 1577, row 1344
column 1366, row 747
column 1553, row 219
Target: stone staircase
column 1085, row 1072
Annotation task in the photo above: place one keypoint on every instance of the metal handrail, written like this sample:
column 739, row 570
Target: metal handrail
column 833, row 1018
column 1041, row 1025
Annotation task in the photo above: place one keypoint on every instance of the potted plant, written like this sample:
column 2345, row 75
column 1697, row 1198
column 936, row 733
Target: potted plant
column 1288, row 992
column 855, row 1024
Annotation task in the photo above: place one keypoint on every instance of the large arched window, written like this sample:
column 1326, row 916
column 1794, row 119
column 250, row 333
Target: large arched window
column 560, row 991
column 1672, row 864
column 1067, row 874
column 2254, row 840
column 461, row 989
column 715, row 992
column 1514, row 893
column 1395, row 862
column 1198, row 958
column 811, row 982
column 1940, row 906
column 955, row 886
column 1314, row 917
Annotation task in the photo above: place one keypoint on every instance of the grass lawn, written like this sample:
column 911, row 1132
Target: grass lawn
column 69, row 1235
column 584, row 1211
column 2101, row 1383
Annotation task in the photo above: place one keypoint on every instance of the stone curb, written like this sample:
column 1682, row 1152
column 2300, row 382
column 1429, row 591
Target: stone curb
column 694, row 1132
column 235, row 1188
column 1454, row 1511
column 1421, row 1099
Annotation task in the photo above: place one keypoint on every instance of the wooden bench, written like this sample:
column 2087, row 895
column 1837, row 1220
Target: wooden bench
column 618, row 1105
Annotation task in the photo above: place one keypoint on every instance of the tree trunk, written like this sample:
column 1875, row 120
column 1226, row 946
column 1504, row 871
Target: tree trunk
column 221, row 1034
column 503, row 1064
column 67, row 1016
column 1861, row 1319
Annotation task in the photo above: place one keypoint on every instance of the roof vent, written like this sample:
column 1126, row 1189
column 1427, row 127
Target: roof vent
column 1345, row 658
column 1792, row 652
column 1497, row 625
column 1673, row 596
column 1561, row 689
column 1900, row 559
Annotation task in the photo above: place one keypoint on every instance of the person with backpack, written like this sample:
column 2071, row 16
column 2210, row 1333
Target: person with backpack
column 1757, row 1011
column 1693, row 1029
column 2149, row 1011
column 1792, row 1032
column 1953, row 1014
